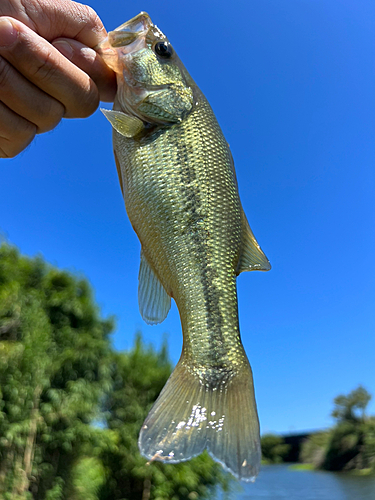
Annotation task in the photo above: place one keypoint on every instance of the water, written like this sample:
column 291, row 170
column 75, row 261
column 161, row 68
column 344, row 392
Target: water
column 278, row 482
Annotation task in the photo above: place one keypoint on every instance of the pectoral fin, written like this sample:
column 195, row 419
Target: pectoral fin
column 154, row 302
column 252, row 257
column 126, row 125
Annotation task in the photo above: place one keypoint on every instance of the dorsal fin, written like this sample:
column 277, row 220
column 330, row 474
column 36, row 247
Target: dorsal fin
column 252, row 257
column 154, row 302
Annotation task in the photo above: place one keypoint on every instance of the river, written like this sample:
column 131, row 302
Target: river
column 279, row 482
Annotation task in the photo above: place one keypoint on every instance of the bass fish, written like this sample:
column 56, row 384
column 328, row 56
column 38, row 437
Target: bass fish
column 177, row 176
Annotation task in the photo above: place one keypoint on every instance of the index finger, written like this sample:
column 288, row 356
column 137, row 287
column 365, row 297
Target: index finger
column 57, row 18
column 43, row 65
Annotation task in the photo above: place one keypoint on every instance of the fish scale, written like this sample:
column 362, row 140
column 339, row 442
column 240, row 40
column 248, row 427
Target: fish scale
column 181, row 196
column 197, row 183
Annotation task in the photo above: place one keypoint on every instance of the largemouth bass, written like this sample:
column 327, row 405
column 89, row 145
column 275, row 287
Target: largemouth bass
column 177, row 176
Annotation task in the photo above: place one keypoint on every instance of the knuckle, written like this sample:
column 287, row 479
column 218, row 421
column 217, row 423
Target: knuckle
column 3, row 150
column 91, row 106
column 10, row 148
column 25, row 135
column 50, row 116
column 92, row 29
column 86, row 105
column 5, row 72
column 45, row 68
column 3, row 153
column 92, row 17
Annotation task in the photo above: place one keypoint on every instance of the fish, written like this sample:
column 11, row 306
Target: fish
column 178, row 180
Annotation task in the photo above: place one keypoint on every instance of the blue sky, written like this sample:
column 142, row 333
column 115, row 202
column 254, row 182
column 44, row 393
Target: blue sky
column 292, row 84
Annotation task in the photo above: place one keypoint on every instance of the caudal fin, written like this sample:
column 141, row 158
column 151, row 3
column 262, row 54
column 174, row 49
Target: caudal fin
column 193, row 414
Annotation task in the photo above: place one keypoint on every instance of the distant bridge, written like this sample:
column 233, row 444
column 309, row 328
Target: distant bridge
column 295, row 441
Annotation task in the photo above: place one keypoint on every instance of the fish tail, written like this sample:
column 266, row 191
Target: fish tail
column 215, row 411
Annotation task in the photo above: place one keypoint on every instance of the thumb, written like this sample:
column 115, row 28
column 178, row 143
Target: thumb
column 91, row 63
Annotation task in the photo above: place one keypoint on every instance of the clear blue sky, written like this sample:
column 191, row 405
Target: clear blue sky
column 293, row 86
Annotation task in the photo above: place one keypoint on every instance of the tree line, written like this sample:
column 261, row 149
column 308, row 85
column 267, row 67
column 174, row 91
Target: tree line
column 348, row 445
column 70, row 405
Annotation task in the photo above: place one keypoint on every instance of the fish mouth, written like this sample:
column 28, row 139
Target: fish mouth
column 127, row 38
column 128, row 32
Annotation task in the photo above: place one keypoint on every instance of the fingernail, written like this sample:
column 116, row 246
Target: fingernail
column 64, row 48
column 8, row 32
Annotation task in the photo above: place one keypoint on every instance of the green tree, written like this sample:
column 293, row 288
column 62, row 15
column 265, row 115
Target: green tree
column 350, row 444
column 344, row 445
column 314, row 449
column 54, row 370
column 58, row 373
column 273, row 448
column 369, row 443
column 346, row 448
column 138, row 377
column 347, row 407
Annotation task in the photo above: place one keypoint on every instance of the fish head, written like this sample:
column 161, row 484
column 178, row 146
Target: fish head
column 153, row 85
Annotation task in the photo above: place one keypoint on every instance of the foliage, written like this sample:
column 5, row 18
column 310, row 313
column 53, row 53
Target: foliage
column 274, row 449
column 88, row 476
column 347, row 407
column 138, row 378
column 350, row 444
column 314, row 449
column 369, row 443
column 54, row 369
column 301, row 467
column 349, row 447
column 58, row 376
column 343, row 446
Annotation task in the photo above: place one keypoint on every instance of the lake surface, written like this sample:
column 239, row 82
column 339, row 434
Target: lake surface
column 278, row 482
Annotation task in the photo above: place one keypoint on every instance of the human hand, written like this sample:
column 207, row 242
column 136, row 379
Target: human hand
column 48, row 68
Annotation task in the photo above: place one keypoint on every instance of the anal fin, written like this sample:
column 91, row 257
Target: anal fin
column 154, row 302
column 252, row 256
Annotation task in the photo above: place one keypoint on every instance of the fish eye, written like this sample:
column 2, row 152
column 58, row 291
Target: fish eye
column 163, row 49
